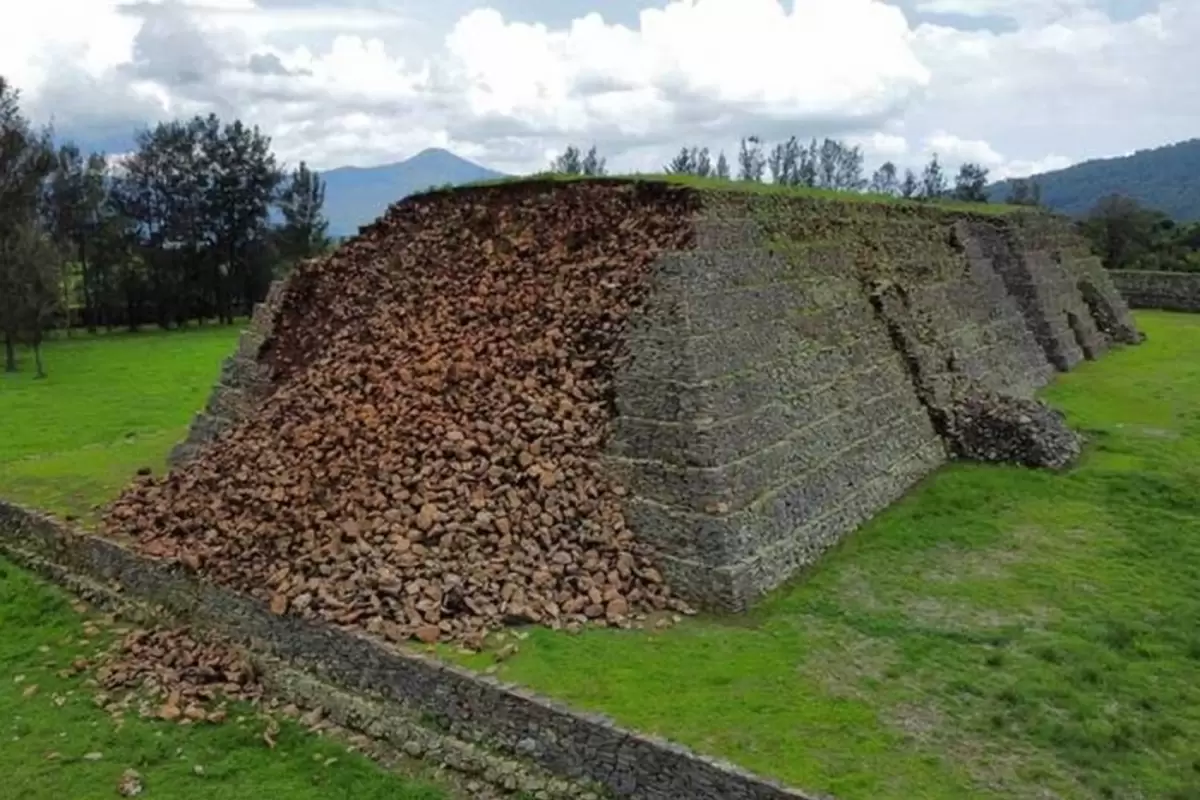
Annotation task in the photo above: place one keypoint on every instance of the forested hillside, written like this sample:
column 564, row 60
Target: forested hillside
column 1165, row 179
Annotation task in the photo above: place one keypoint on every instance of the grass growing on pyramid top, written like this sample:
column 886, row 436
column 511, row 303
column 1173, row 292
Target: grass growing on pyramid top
column 711, row 184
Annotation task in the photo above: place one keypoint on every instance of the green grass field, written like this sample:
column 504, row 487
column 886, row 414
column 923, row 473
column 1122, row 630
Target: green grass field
column 110, row 405
column 1000, row 632
column 56, row 744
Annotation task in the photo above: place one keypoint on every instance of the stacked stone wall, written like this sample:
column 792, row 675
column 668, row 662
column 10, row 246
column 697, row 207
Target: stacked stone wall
column 764, row 412
column 1169, row 291
column 428, row 699
column 805, row 363
column 799, row 370
column 243, row 380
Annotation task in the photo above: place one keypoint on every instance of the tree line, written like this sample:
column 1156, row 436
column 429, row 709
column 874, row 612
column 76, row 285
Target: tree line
column 829, row 164
column 1127, row 235
column 191, row 226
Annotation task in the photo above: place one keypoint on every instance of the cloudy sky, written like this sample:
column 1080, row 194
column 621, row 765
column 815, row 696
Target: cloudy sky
column 1019, row 85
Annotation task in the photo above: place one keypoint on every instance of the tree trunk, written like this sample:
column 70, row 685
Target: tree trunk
column 131, row 320
column 10, row 353
column 90, row 311
column 66, row 297
column 37, row 352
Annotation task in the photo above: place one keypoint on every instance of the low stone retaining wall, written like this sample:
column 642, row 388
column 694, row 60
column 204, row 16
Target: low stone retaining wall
column 504, row 718
column 1169, row 291
column 242, row 382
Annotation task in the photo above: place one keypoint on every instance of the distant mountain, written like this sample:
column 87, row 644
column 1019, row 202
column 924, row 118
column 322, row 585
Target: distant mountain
column 356, row 196
column 1164, row 178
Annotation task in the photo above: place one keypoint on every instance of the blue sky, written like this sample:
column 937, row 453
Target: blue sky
column 1019, row 85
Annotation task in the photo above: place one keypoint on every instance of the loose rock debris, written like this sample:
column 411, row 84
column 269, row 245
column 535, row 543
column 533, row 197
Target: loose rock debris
column 425, row 466
column 173, row 675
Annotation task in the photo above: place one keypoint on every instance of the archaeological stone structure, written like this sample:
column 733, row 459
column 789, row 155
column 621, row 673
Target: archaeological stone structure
column 244, row 380
column 1169, row 291
column 791, row 365
column 809, row 361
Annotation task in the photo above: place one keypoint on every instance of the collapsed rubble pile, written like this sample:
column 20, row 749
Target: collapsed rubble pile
column 1014, row 430
column 186, row 678
column 426, row 465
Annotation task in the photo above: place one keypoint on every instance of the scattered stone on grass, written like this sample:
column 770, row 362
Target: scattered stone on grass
column 130, row 784
column 174, row 676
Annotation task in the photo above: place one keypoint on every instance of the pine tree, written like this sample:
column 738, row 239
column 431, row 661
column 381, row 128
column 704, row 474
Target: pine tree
column 593, row 165
column 970, row 182
column 751, row 163
column 884, row 181
column 933, row 180
column 569, row 162
column 722, row 168
column 304, row 232
column 681, row 164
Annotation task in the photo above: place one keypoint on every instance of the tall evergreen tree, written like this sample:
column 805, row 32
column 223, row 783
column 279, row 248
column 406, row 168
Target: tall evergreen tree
column 751, row 163
column 76, row 194
column 933, row 180
column 722, row 168
column 790, row 167
column 848, row 176
column 807, row 166
column 593, row 165
column 776, row 164
column 829, row 158
column 884, row 180
column 26, row 158
column 568, row 162
column 304, row 232
column 970, row 182
column 246, row 178
column 682, row 164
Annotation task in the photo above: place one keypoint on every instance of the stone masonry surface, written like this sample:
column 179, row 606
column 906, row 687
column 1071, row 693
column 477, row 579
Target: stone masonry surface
column 778, row 369
column 577, row 403
column 808, row 361
column 242, row 382
column 1169, row 291
column 473, row 708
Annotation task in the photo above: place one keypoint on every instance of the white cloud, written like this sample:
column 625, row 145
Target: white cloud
column 841, row 62
column 951, row 149
column 335, row 84
column 1023, row 169
column 953, row 152
column 1025, row 11
column 881, row 146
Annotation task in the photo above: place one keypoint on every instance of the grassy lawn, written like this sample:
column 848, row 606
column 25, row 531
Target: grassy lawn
column 110, row 405
column 1000, row 632
column 56, row 744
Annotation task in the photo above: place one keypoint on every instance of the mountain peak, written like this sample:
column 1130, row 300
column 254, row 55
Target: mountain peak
column 356, row 196
column 432, row 152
